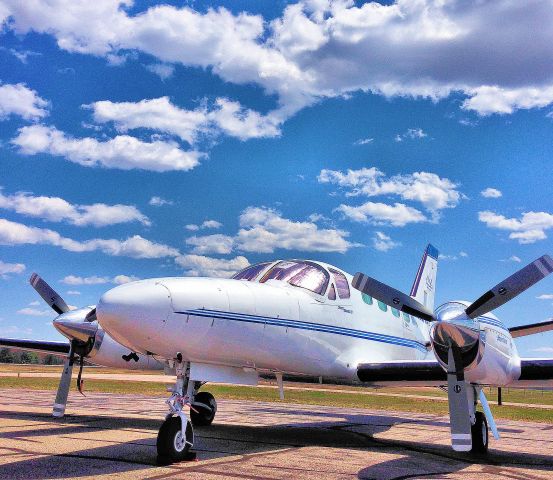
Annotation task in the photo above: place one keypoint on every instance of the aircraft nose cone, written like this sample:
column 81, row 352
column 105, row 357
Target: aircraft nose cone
column 134, row 312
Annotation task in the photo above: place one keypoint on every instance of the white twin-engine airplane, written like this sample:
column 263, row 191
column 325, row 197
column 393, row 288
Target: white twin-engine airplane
column 301, row 319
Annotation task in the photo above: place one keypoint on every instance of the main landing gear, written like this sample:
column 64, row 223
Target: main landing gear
column 479, row 434
column 176, row 435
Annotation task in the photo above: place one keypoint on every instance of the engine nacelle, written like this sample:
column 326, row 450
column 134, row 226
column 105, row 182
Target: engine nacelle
column 488, row 354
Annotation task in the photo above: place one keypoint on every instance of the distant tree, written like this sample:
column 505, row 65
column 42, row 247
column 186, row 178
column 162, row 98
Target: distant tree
column 52, row 360
column 28, row 357
column 6, row 356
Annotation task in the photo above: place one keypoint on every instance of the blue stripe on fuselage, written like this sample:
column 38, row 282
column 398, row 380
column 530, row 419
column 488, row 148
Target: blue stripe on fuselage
column 319, row 327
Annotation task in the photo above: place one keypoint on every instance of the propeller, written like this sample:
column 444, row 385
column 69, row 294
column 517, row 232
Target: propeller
column 511, row 287
column 79, row 327
column 391, row 296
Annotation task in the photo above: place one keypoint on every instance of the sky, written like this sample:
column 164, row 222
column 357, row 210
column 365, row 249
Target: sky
column 194, row 138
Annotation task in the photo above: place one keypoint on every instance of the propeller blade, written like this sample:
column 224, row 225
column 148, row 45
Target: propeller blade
column 511, row 287
column 391, row 296
column 65, row 383
column 459, row 413
column 48, row 294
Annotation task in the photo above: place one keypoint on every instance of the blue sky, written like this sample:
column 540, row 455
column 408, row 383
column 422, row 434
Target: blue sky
column 193, row 139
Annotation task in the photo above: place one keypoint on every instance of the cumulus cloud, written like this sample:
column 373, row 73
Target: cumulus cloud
column 491, row 193
column 411, row 134
column 486, row 51
column 204, row 225
column 264, row 230
column 530, row 228
column 55, row 209
column 159, row 114
column 122, row 152
column 21, row 101
column 433, row 192
column 397, row 215
column 202, row 266
column 218, row 243
column 545, row 296
column 12, row 233
column 10, row 268
column 159, row 202
column 162, row 70
column 383, row 242
column 95, row 280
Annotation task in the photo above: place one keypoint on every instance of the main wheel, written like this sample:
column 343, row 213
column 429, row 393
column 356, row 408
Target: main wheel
column 479, row 434
column 206, row 407
column 170, row 443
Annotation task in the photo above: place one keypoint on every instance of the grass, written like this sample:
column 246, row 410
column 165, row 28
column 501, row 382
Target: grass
column 307, row 397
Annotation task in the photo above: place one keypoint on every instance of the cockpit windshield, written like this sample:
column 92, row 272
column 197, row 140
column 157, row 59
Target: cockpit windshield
column 302, row 274
column 250, row 273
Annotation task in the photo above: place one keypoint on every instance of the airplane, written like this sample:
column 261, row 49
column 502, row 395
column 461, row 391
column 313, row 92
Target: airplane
column 302, row 319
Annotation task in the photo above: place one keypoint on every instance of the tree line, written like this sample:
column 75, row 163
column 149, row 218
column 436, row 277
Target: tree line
column 10, row 356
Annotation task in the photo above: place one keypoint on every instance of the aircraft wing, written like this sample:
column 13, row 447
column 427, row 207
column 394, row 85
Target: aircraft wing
column 534, row 373
column 531, row 329
column 54, row 348
column 405, row 372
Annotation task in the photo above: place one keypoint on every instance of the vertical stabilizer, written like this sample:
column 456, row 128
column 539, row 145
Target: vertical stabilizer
column 424, row 286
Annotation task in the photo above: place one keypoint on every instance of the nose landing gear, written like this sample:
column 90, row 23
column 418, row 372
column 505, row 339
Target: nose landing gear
column 203, row 409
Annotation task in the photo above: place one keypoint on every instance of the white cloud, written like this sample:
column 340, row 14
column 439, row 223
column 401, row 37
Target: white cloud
column 491, row 193
column 73, row 292
column 218, row 243
column 363, row 141
column 201, row 266
column 530, row 228
column 122, row 152
column 35, row 312
column 383, row 242
column 22, row 101
column 204, row 225
column 95, row 280
column 264, row 230
column 12, row 233
column 543, row 349
column 397, row 215
column 10, row 268
column 316, row 49
column 224, row 116
column 162, row 70
column 453, row 257
column 159, row 202
column 514, row 258
column 22, row 55
column 545, row 296
column 411, row 134
column 55, row 209
column 432, row 191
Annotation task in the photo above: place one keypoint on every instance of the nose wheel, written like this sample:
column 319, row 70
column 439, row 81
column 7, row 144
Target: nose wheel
column 203, row 409
column 172, row 445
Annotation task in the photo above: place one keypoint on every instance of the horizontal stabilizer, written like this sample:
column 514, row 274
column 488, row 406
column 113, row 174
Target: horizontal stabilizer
column 55, row 348
column 402, row 371
column 531, row 329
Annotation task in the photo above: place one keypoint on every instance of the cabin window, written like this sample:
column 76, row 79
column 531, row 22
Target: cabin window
column 395, row 312
column 302, row 274
column 382, row 306
column 332, row 292
column 341, row 283
column 406, row 317
column 367, row 299
column 252, row 272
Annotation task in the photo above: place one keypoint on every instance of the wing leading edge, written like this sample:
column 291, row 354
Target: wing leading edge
column 54, row 348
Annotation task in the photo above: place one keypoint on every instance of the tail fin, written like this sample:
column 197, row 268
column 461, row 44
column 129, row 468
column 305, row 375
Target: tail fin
column 424, row 286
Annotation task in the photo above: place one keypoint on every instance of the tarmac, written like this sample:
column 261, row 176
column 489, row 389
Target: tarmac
column 114, row 436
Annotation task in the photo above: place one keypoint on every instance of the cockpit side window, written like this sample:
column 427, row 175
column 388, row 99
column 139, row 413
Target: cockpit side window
column 341, row 283
column 250, row 273
column 300, row 274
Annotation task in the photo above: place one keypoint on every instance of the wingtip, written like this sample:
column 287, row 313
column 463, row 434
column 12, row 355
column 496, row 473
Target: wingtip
column 432, row 251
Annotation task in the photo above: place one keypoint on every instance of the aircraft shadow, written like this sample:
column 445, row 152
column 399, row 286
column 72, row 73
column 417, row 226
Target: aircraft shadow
column 352, row 431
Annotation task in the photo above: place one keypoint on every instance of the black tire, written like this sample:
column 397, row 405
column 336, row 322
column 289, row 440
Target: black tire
column 206, row 407
column 170, row 445
column 479, row 434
